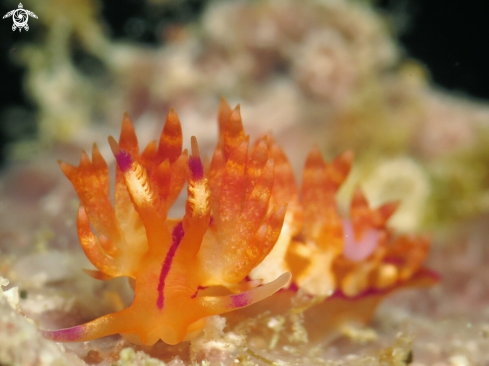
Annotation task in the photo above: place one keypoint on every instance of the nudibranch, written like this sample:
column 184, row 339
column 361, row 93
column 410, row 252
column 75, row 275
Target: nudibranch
column 248, row 230
column 229, row 226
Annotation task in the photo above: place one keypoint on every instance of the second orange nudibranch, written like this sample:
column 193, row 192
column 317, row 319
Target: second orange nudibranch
column 227, row 229
column 238, row 242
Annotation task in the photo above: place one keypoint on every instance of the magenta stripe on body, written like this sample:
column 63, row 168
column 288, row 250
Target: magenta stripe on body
column 177, row 235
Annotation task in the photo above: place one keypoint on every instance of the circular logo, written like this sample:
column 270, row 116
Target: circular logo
column 20, row 18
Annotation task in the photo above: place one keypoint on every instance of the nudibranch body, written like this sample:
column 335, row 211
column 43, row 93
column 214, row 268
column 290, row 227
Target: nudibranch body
column 171, row 261
column 331, row 255
column 246, row 227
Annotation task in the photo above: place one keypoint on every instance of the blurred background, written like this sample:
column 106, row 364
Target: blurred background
column 446, row 38
column 401, row 82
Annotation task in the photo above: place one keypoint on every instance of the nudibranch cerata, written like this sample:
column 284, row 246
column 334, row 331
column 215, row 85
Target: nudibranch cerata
column 246, row 228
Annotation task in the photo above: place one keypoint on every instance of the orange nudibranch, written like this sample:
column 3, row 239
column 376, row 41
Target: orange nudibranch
column 246, row 227
column 228, row 228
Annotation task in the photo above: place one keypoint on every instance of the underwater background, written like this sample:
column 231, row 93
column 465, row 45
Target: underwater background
column 403, row 83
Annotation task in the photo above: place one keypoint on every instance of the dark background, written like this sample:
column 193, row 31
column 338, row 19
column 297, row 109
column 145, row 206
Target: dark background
column 450, row 37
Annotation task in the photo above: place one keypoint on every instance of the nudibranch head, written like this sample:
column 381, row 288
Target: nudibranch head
column 170, row 260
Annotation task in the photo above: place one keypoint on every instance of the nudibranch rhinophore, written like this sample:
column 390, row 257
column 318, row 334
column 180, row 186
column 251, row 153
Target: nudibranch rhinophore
column 247, row 229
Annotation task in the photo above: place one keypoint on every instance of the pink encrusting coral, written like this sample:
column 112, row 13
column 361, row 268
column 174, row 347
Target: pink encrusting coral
column 246, row 225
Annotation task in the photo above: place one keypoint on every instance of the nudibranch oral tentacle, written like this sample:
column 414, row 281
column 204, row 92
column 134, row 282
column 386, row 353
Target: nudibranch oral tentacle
column 246, row 224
